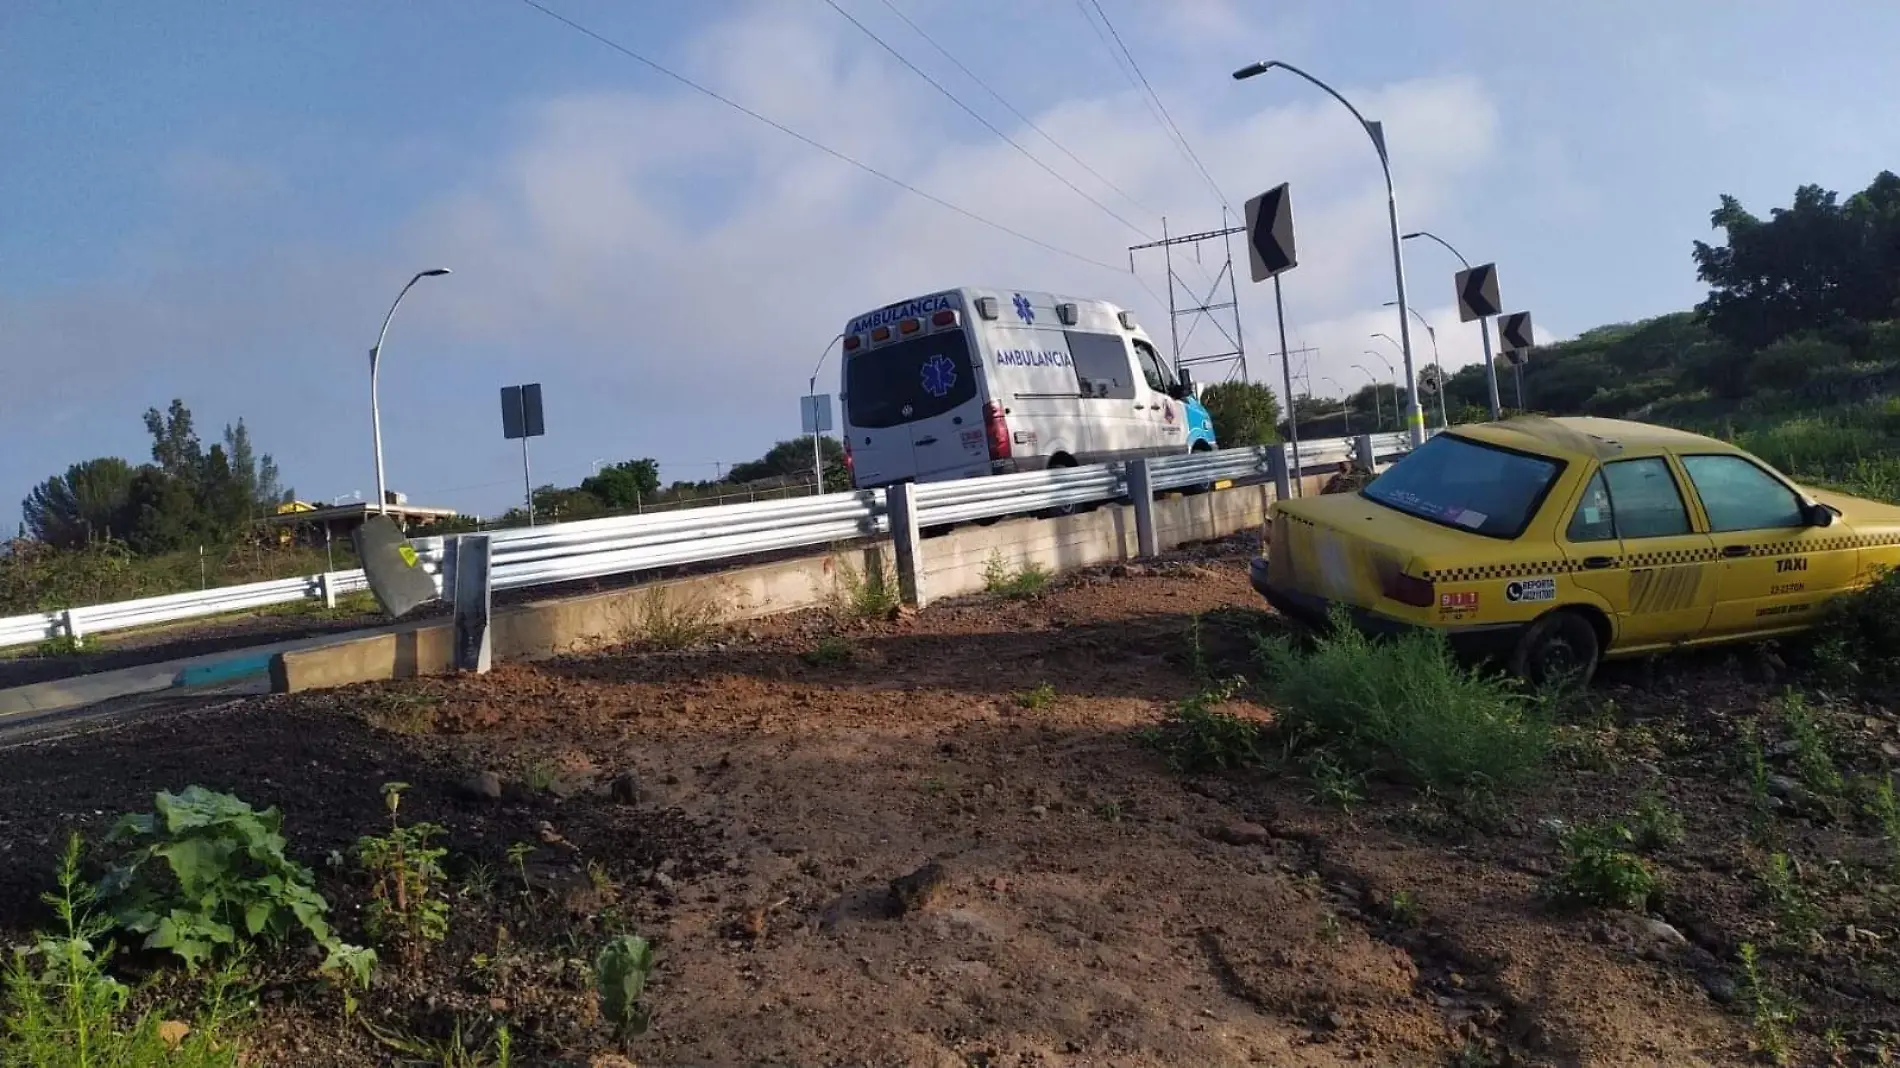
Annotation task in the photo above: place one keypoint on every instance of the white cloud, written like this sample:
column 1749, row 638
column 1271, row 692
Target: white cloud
column 655, row 253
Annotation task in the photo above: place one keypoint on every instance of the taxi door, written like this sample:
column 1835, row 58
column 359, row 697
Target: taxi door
column 1775, row 568
column 1631, row 541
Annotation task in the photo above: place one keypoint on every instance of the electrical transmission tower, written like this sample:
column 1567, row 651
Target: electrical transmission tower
column 1185, row 302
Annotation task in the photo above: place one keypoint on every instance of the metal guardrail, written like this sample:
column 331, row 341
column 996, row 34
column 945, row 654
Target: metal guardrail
column 595, row 548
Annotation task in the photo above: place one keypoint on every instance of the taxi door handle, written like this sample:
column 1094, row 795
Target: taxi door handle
column 1597, row 563
column 1733, row 551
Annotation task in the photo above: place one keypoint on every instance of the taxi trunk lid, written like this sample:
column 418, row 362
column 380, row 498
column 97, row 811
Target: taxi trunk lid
column 1349, row 550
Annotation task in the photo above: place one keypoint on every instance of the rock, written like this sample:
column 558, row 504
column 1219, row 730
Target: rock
column 1720, row 987
column 173, row 1032
column 1783, row 750
column 1783, row 786
column 1039, row 811
column 482, row 786
column 664, row 881
column 1890, row 750
column 1336, row 1021
column 919, row 890
column 625, row 788
column 1242, row 833
column 1646, row 936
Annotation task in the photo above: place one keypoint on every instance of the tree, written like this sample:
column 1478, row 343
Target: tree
column 163, row 512
column 175, row 447
column 624, row 485
column 86, row 504
column 256, row 476
column 1811, row 266
column 1244, row 413
column 792, row 459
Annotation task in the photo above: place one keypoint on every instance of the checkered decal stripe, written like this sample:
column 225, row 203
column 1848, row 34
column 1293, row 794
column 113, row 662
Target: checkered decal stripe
column 1670, row 557
column 1481, row 572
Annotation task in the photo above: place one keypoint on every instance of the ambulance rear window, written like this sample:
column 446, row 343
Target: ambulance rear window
column 910, row 380
column 1466, row 485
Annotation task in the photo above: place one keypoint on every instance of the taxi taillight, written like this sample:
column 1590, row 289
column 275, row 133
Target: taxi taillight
column 1405, row 589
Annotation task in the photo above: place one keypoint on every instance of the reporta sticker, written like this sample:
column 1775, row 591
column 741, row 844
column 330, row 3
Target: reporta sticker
column 1532, row 589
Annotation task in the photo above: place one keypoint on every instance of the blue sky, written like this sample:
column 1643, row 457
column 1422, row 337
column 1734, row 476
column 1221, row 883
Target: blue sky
column 217, row 201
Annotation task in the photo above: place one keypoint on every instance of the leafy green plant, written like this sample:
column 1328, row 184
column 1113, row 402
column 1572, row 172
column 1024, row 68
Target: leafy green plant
column 1857, row 640
column 1037, row 698
column 1813, row 762
column 1333, row 784
column 205, row 874
column 1600, row 870
column 673, row 618
column 1021, row 582
column 61, row 645
column 1654, row 825
column 1770, row 1013
column 1201, row 737
column 1795, row 910
column 620, row 979
column 1878, row 800
column 518, row 854
column 454, row 1051
column 1405, row 909
column 1761, row 804
column 540, row 775
column 63, row 1010
column 1404, row 709
column 406, row 903
column 830, row 651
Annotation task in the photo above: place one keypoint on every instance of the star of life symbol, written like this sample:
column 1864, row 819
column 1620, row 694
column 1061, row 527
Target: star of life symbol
column 939, row 374
column 1023, row 310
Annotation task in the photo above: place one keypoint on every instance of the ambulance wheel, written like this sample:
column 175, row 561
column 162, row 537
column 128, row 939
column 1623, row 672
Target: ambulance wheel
column 1058, row 512
column 1561, row 649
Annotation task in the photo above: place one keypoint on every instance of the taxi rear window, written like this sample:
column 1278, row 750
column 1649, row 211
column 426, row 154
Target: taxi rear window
column 1466, row 485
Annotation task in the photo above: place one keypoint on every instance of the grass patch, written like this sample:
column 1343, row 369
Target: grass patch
column 866, row 593
column 1813, row 761
column 665, row 621
column 1795, row 912
column 1199, row 736
column 1404, row 709
column 406, row 712
column 1021, row 582
column 831, row 651
column 1857, row 640
column 1771, row 1014
column 1042, row 696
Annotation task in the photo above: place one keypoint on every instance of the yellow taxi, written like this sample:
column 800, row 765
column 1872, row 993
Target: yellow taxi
column 1559, row 542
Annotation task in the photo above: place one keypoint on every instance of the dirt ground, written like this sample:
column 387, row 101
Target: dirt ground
column 747, row 802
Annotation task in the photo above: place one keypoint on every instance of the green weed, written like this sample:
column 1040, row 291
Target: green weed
column 866, row 594
column 62, row 645
column 1333, row 784
column 1405, row 709
column 206, row 875
column 1329, row 929
column 1770, row 1013
column 540, row 775
column 1795, row 911
column 1813, row 763
column 1654, row 825
column 405, row 712
column 1857, row 639
column 1405, row 909
column 1879, row 803
column 1200, row 737
column 620, row 979
column 1021, row 582
column 673, row 618
column 454, row 1051
column 1761, row 804
column 407, row 905
column 1600, row 870
column 1038, row 698
column 830, row 651
column 62, row 1009
column 518, row 854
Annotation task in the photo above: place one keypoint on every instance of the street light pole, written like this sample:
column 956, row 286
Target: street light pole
column 1414, row 415
column 1378, row 414
column 375, row 407
column 1345, row 406
column 1436, row 362
column 1484, row 328
column 817, row 458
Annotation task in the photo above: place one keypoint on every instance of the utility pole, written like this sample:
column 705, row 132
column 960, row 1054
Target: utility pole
column 1185, row 303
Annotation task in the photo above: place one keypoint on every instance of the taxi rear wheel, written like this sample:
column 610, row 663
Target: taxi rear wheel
column 1559, row 649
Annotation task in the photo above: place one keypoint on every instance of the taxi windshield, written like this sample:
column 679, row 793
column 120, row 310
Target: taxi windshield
column 1460, row 483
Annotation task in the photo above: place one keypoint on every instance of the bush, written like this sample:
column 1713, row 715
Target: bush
column 1405, row 709
column 207, row 874
column 1857, row 639
column 1020, row 583
column 1601, row 870
column 1244, row 413
column 1790, row 362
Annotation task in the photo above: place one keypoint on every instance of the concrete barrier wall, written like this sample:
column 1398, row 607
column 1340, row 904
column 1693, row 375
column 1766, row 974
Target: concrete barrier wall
column 953, row 565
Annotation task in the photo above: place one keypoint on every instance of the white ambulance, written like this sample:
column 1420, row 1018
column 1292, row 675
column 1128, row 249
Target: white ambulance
column 986, row 381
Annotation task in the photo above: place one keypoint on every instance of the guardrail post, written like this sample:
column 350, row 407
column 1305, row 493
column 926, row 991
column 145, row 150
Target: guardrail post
column 1277, row 467
column 907, row 540
column 70, row 624
column 326, row 589
column 473, row 647
column 1141, row 489
column 1362, row 455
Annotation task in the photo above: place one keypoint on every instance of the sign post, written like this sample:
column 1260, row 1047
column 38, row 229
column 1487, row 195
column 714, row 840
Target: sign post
column 1478, row 299
column 1271, row 253
column 1514, row 335
column 814, row 414
column 521, row 417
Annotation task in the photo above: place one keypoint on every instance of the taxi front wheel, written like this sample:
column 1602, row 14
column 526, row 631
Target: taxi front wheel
column 1561, row 648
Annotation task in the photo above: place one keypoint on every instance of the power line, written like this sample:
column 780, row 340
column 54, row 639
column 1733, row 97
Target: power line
column 987, row 124
column 826, row 149
column 1024, row 119
column 1156, row 97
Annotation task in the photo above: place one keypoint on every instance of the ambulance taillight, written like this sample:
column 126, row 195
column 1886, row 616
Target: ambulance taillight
column 996, row 428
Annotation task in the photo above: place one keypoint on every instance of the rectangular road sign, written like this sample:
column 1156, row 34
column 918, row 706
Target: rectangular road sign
column 1270, row 233
column 814, row 413
column 521, row 415
column 1478, row 292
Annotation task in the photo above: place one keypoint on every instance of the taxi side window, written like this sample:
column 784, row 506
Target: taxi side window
column 1645, row 498
column 1740, row 496
column 1592, row 521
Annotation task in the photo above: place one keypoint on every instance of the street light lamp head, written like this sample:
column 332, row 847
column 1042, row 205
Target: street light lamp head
column 1252, row 69
column 1413, row 234
column 434, row 272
